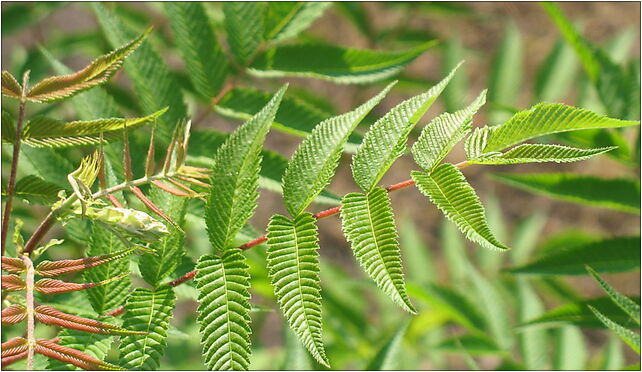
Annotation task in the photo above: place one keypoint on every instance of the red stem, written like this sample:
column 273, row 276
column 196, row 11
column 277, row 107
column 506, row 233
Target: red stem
column 14, row 162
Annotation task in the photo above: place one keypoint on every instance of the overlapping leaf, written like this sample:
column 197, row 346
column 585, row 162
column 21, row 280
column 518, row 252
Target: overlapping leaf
column 625, row 303
column 443, row 133
column 621, row 194
column 82, row 360
column 10, row 86
column 313, row 163
column 448, row 189
column 232, row 198
column 629, row 337
column 93, row 344
column 244, row 25
column 547, row 118
column 35, row 190
column 146, row 311
column 42, row 131
column 286, row 19
column 386, row 139
column 98, row 72
column 369, row 225
column 334, row 63
column 223, row 314
column 539, row 153
column 293, row 263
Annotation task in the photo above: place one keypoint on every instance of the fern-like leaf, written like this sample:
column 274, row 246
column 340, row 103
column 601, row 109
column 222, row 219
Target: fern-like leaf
column 35, row 190
column 244, row 25
column 447, row 187
column 286, row 19
column 98, row 72
column 386, row 139
column 334, row 63
column 224, row 310
column 629, row 337
column 293, row 263
column 539, row 153
column 42, row 131
column 65, row 354
column 443, row 133
column 547, row 118
column 94, row 344
column 204, row 60
column 625, row 303
column 369, row 225
column 146, row 311
column 314, row 161
column 232, row 198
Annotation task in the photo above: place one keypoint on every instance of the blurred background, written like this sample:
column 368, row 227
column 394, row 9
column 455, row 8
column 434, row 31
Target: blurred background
column 514, row 50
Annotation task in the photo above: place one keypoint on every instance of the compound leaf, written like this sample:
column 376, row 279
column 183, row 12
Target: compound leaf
column 314, row 161
column 386, row 139
column 94, row 344
column 224, row 310
column 539, row 153
column 293, row 263
column 447, row 187
column 369, row 225
column 244, row 22
column 232, row 198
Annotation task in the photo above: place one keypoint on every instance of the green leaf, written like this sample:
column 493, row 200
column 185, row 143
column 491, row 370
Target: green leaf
column 42, row 131
column 94, row 344
column 234, row 179
column 35, row 190
column 244, row 24
column 609, row 255
column 146, row 311
column 8, row 127
column 443, row 133
column 296, row 356
column 629, row 337
column 369, row 225
column 600, row 138
column 314, row 161
column 622, row 301
column 106, row 297
column 205, row 62
column 621, row 194
column 579, row 314
column 169, row 249
column 539, row 153
column 547, row 118
column 454, row 248
column 387, row 137
column 447, row 187
column 387, row 358
column 420, row 263
column 293, row 263
column 98, row 72
column 224, row 310
column 47, row 164
column 153, row 82
column 334, row 63
column 286, row 19
column 458, row 88
column 472, row 344
column 506, row 72
column 556, row 74
column 612, row 355
column 533, row 343
column 572, row 352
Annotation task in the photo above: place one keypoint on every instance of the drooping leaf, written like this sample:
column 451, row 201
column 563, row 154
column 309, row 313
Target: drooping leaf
column 65, row 354
column 109, row 296
column 628, row 306
column 539, row 153
column 447, row 187
column 286, row 19
column 244, row 23
column 387, row 358
column 232, row 198
column 42, row 131
column 293, row 263
column 629, row 337
column 170, row 248
column 153, row 82
column 314, row 161
column 334, row 63
column 443, row 133
column 608, row 255
column 387, row 137
column 621, row 194
column 35, row 190
column 223, row 313
column 547, row 118
column 93, row 344
column 369, row 225
column 98, row 72
column 579, row 314
column 204, row 60
column 506, row 72
column 13, row 314
column 146, row 311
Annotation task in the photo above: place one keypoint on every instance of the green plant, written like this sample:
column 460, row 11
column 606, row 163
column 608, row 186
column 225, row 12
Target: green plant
column 205, row 194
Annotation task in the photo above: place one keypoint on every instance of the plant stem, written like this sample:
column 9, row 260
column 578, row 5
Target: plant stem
column 14, row 161
column 31, row 326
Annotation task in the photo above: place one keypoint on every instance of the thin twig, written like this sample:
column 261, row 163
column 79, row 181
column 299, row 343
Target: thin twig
column 14, row 161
